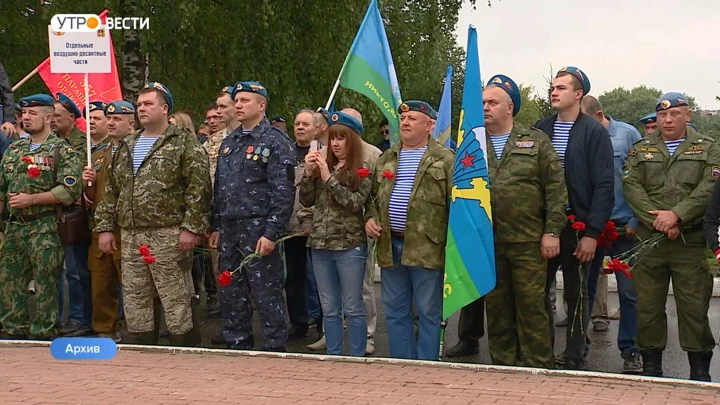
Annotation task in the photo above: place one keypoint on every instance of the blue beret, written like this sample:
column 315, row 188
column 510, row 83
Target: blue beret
column 252, row 87
column 693, row 126
column 510, row 87
column 579, row 74
column 164, row 91
column 68, row 104
column 228, row 89
column 17, row 106
column 95, row 106
column 325, row 113
column 652, row 117
column 279, row 118
column 347, row 120
column 419, row 106
column 119, row 107
column 670, row 100
column 37, row 100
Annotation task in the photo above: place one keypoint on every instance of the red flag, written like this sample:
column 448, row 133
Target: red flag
column 102, row 86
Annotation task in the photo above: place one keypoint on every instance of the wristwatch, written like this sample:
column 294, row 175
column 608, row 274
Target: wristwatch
column 554, row 235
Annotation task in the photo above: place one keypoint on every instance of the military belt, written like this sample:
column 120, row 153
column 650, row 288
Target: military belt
column 398, row 235
column 23, row 219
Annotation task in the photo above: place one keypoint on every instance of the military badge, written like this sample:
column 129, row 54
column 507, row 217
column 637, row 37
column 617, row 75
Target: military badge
column 255, row 157
column 126, row 110
column 626, row 171
column 524, row 144
column 632, row 152
column 497, row 80
column 111, row 108
column 404, row 107
column 649, row 156
column 716, row 172
column 563, row 69
column 334, row 118
column 249, row 149
column 695, row 150
column 665, row 104
column 69, row 181
column 225, row 151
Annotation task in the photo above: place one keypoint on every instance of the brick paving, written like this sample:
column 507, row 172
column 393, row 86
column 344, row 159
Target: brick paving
column 30, row 375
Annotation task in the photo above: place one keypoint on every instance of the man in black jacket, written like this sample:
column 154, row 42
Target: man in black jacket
column 586, row 153
column 7, row 103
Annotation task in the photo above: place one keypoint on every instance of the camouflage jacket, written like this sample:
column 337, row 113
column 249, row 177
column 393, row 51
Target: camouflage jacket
column 14, row 178
column 302, row 217
column 101, row 160
column 527, row 187
column 427, row 215
column 338, row 221
column 211, row 146
column 78, row 141
column 171, row 187
column 255, row 179
column 683, row 182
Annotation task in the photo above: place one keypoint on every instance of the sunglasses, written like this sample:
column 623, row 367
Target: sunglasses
column 385, row 132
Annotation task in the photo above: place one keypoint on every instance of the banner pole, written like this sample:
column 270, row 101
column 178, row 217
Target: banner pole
column 24, row 79
column 87, row 123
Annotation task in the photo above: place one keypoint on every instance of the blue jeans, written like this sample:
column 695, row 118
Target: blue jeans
column 626, row 295
column 312, row 299
column 78, row 278
column 401, row 287
column 339, row 275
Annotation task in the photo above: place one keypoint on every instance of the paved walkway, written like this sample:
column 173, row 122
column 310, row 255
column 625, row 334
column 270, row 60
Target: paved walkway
column 30, row 375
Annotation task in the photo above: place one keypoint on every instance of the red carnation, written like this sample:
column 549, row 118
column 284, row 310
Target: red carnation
column 578, row 226
column 362, row 172
column 224, row 278
column 33, row 172
column 388, row 174
column 148, row 259
column 144, row 250
column 571, row 217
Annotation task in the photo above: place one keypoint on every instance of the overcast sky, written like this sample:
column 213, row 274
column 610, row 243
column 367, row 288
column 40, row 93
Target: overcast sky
column 667, row 44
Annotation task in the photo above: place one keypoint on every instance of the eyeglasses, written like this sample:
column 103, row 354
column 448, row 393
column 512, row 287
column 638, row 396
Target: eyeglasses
column 385, row 132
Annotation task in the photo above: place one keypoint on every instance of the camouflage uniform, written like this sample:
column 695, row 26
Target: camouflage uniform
column 253, row 197
column 528, row 200
column 78, row 141
column 420, row 250
column 211, row 146
column 104, row 268
column 169, row 193
column 683, row 183
column 31, row 245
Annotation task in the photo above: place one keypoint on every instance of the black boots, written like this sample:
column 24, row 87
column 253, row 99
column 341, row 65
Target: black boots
column 700, row 365
column 652, row 362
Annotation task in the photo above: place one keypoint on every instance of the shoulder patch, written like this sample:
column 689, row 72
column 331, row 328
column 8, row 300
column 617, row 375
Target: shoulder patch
column 69, row 181
column 626, row 171
column 716, row 172
column 632, row 152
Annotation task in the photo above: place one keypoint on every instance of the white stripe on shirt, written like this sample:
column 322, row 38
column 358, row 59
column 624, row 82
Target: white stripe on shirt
column 141, row 149
column 561, row 136
column 34, row 146
column 408, row 164
column 672, row 145
column 498, row 143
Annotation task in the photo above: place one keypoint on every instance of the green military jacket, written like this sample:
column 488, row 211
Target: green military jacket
column 337, row 222
column 428, row 208
column 527, row 187
column 14, row 178
column 78, row 141
column 683, row 182
column 171, row 187
column 101, row 160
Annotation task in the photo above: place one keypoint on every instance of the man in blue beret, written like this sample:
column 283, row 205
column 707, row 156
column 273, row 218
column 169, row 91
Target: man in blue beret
column 407, row 214
column 75, row 271
column 586, row 154
column 668, row 180
column 526, row 175
column 118, row 118
column 650, row 123
column 46, row 165
column 252, row 204
column 158, row 193
column 622, row 137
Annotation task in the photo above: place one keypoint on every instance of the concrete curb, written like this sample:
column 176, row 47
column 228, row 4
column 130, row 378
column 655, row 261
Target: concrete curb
column 388, row 361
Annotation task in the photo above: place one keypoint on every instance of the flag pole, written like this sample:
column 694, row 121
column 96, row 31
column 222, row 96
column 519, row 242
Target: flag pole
column 24, row 79
column 87, row 122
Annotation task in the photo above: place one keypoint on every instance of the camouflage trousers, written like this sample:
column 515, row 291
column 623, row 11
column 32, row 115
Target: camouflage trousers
column 263, row 277
column 516, row 316
column 168, row 278
column 27, row 254
column 105, row 278
column 692, row 281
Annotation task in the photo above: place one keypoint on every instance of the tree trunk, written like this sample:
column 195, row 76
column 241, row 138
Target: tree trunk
column 133, row 61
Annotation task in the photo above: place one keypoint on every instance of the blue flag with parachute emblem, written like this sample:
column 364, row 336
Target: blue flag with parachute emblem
column 442, row 130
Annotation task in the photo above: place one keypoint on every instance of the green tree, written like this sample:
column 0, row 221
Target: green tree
column 631, row 105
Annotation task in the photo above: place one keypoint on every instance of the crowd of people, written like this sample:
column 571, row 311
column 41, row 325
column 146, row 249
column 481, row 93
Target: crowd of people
column 292, row 229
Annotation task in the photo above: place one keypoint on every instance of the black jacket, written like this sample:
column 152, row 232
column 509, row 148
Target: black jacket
column 711, row 224
column 6, row 97
column 588, row 171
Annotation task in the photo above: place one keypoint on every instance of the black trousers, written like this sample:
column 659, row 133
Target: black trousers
column 202, row 271
column 575, row 285
column 471, row 326
column 296, row 262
